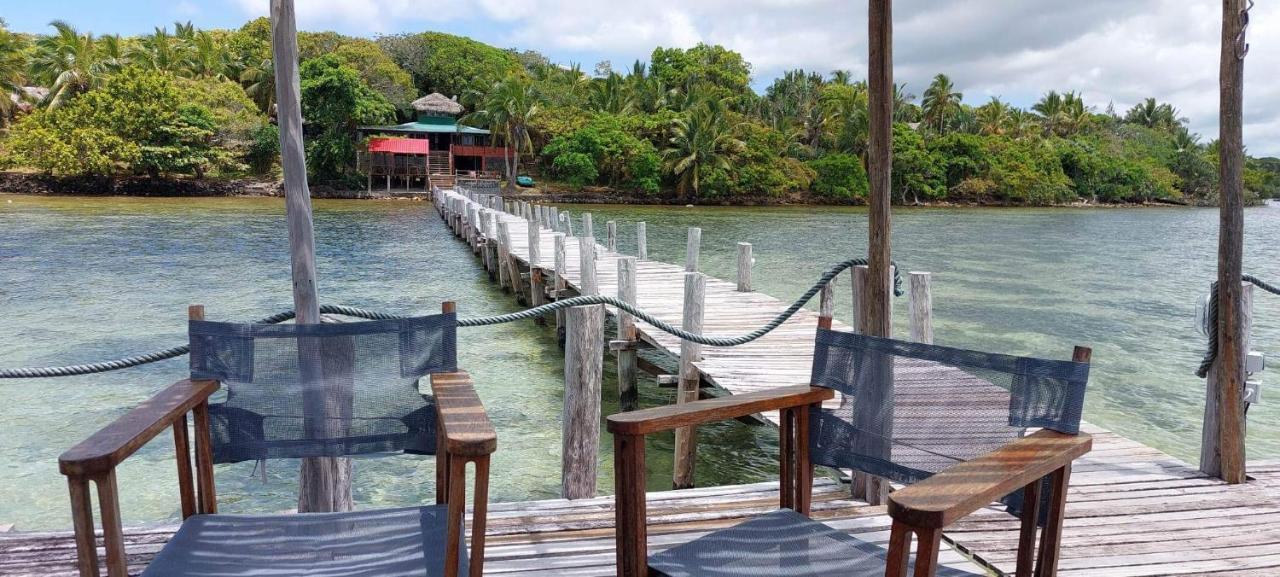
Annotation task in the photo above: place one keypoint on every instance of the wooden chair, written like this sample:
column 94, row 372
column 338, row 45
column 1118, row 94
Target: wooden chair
column 363, row 378
column 948, row 422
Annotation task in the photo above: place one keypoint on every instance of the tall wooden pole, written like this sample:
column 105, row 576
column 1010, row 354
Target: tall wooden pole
column 324, row 483
column 875, row 304
column 1229, row 463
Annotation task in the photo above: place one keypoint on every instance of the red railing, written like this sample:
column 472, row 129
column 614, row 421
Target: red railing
column 482, row 151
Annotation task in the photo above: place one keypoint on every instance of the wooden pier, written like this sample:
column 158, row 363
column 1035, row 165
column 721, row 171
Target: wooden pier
column 1133, row 511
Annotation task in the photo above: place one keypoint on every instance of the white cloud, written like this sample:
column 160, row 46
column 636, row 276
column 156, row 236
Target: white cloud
column 1110, row 51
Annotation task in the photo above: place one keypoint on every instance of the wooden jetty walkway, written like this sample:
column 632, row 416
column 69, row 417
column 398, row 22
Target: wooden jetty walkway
column 1133, row 511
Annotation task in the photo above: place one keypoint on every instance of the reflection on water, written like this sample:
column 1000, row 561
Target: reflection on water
column 94, row 278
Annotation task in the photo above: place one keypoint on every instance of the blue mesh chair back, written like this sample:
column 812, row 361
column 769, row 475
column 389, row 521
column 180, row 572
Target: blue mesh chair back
column 909, row 410
column 322, row 390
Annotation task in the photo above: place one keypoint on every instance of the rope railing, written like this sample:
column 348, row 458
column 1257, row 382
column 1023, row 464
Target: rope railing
column 173, row 352
column 1212, row 354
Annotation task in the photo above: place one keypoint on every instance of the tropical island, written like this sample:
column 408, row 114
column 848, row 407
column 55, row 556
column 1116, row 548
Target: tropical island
column 190, row 111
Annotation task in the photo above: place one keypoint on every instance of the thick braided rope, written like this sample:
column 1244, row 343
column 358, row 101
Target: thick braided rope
column 127, row 362
column 1212, row 354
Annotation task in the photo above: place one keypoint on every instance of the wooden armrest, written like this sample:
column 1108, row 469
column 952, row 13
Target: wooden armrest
column 466, row 426
column 950, row 495
column 114, row 443
column 719, row 409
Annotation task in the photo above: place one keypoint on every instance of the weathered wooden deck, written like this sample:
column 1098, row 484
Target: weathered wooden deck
column 1132, row 511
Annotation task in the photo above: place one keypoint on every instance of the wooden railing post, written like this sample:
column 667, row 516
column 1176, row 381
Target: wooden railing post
column 588, row 283
column 690, row 352
column 827, row 304
column 504, row 248
column 692, row 247
column 537, row 288
column 583, row 367
column 625, row 346
column 553, row 219
column 560, row 284
column 611, row 238
column 588, row 226
column 566, row 224
column 921, row 305
column 744, row 267
column 642, row 241
column 1212, row 438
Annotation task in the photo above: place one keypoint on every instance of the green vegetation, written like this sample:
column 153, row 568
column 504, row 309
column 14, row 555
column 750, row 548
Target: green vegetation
column 687, row 124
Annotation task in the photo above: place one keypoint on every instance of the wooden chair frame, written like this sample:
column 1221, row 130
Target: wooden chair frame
column 923, row 509
column 465, row 435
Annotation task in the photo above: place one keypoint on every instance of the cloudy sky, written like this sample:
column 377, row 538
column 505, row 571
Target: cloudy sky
column 1113, row 51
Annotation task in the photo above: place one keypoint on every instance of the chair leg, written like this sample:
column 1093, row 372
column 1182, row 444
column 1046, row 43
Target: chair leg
column 479, row 516
column 899, row 550
column 786, row 458
column 631, row 533
column 82, row 520
column 112, row 527
column 803, row 465
column 457, row 504
column 1027, row 535
column 929, row 542
column 1051, row 539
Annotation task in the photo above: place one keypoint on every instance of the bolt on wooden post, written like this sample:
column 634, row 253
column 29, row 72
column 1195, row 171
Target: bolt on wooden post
column 625, row 345
column 687, row 437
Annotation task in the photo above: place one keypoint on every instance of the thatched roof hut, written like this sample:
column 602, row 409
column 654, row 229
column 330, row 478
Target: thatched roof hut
column 437, row 104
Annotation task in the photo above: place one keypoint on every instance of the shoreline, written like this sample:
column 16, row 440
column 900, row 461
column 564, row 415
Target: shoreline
column 30, row 184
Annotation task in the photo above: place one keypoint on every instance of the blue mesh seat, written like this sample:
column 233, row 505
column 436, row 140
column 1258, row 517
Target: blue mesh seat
column 292, row 391
column 905, row 412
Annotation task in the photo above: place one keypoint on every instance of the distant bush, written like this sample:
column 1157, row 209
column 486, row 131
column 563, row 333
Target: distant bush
column 839, row 176
column 264, row 148
column 576, row 168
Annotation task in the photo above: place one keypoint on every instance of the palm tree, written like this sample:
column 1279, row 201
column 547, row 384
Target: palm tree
column 611, row 95
column 1185, row 140
column 12, row 73
column 1153, row 115
column 701, row 139
column 841, row 77
column 1023, row 124
column 509, row 107
column 904, row 108
column 1050, row 109
column 260, row 84
column 205, row 58
column 993, row 117
column 941, row 103
column 1075, row 115
column 67, row 62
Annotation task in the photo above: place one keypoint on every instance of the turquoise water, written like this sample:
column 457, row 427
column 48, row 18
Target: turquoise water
column 86, row 279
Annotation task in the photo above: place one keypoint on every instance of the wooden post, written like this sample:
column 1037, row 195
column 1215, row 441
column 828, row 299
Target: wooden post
column 921, row 305
column 583, row 367
column 588, row 283
column 324, row 483
column 687, row 437
column 535, row 244
column 504, row 248
column 692, row 248
column 642, row 241
column 827, row 305
column 553, row 219
column 588, row 227
column 626, row 349
column 1211, row 455
column 744, row 267
column 1225, row 457
column 561, row 263
column 611, row 230
column 567, row 219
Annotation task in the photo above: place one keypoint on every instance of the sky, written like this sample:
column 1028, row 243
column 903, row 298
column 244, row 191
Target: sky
column 1112, row 51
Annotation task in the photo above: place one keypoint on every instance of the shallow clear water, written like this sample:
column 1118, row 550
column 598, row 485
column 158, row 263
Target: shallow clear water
column 86, row 279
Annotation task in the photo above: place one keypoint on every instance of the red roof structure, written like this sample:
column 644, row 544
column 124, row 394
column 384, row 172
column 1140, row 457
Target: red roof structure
column 398, row 145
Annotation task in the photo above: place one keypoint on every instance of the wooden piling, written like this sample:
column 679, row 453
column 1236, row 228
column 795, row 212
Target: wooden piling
column 687, row 437
column 744, row 267
column 560, row 284
column 642, row 241
column 588, row 226
column 583, row 370
column 567, row 220
column 921, row 307
column 504, row 248
column 827, row 305
column 553, row 219
column 692, row 247
column 611, row 232
column 589, row 284
column 537, row 288
column 625, row 346
column 535, row 244
column 1211, row 441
